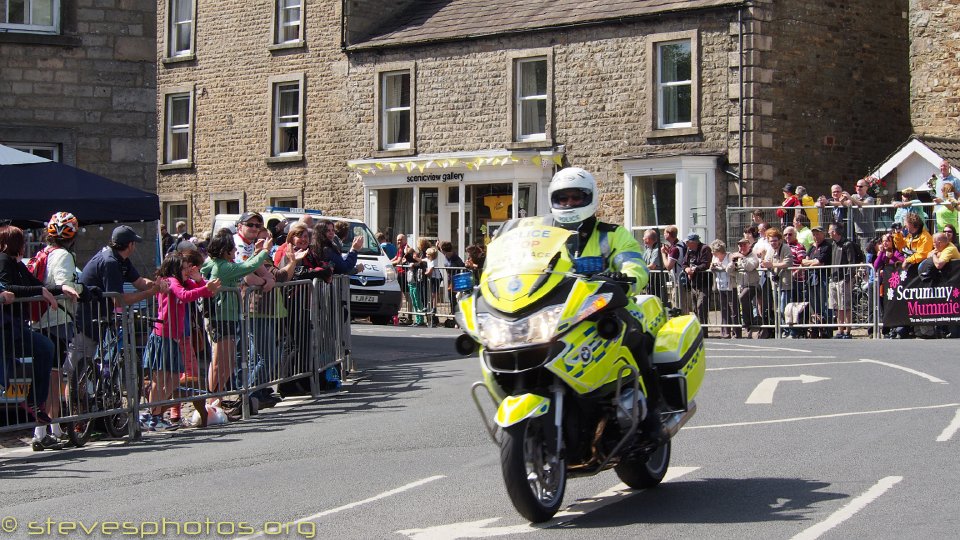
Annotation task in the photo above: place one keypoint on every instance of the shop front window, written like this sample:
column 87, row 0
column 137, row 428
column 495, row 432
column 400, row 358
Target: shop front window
column 429, row 213
column 394, row 210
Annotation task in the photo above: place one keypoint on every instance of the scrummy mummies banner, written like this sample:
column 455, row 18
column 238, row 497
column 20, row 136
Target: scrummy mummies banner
column 909, row 300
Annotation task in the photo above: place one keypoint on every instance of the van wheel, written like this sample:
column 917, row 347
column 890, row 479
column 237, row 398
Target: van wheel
column 380, row 319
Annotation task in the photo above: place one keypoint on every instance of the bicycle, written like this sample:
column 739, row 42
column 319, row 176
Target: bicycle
column 97, row 385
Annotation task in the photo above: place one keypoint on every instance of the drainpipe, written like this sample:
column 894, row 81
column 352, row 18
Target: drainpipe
column 740, row 105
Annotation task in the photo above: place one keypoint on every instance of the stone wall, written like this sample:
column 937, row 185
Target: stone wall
column 935, row 67
column 600, row 85
column 232, row 111
column 91, row 90
column 833, row 77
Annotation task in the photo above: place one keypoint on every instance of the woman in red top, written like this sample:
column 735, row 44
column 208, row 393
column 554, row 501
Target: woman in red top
column 790, row 200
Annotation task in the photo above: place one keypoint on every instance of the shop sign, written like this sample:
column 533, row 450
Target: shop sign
column 447, row 177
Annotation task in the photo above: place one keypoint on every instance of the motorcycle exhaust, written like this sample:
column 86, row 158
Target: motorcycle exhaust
column 673, row 423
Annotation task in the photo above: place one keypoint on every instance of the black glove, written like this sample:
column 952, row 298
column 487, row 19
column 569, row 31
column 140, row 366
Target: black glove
column 91, row 293
column 613, row 276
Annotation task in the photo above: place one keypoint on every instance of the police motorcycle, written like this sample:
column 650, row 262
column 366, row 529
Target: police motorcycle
column 584, row 377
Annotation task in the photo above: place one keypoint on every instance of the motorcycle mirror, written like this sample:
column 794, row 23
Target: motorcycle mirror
column 588, row 265
column 463, row 282
column 465, row 345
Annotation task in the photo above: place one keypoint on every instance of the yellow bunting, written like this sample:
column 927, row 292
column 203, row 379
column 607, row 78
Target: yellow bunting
column 352, row 165
column 469, row 166
column 421, row 166
column 393, row 167
column 454, row 162
column 558, row 159
column 379, row 165
column 536, row 160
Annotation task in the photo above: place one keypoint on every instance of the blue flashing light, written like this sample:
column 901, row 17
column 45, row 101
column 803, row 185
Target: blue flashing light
column 588, row 265
column 463, row 282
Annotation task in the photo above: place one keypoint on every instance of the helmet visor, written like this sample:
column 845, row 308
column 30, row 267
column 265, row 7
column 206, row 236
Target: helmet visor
column 570, row 198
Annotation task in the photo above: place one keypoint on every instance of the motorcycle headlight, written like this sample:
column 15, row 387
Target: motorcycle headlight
column 533, row 330
column 390, row 273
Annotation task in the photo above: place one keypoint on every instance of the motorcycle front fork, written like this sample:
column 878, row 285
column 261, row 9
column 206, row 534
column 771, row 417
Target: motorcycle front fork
column 557, row 389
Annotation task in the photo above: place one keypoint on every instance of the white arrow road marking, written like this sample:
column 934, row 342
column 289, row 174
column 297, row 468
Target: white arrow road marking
column 755, row 347
column 763, row 393
column 849, row 509
column 950, row 430
column 930, row 378
column 820, row 417
column 479, row 529
column 319, row 515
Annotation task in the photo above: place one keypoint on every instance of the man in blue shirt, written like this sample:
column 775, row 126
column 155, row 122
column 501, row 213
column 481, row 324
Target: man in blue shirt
column 106, row 272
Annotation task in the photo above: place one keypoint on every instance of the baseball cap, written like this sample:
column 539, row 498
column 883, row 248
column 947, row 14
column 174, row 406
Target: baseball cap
column 817, row 228
column 246, row 216
column 788, row 187
column 124, row 235
column 693, row 237
column 744, row 241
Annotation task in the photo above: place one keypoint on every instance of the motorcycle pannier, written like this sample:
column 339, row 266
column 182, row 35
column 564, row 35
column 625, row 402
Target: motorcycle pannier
column 679, row 349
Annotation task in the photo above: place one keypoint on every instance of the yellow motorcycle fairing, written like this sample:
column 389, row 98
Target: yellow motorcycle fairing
column 515, row 409
column 515, row 273
column 588, row 362
column 679, row 348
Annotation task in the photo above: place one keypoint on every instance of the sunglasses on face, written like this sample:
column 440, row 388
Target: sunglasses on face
column 569, row 197
column 254, row 225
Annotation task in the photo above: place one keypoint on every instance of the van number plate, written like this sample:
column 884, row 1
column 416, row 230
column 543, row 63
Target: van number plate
column 363, row 298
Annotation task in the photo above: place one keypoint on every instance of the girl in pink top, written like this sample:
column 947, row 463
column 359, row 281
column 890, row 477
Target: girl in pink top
column 162, row 356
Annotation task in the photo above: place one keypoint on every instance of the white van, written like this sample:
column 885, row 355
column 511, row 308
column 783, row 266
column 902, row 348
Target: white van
column 374, row 292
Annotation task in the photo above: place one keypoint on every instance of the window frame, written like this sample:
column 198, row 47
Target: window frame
column 172, row 54
column 23, row 28
column 169, row 201
column 520, row 100
column 188, row 91
column 655, row 124
column 32, row 147
column 275, row 85
column 227, row 197
column 275, row 196
column 513, row 105
column 278, row 21
column 381, row 115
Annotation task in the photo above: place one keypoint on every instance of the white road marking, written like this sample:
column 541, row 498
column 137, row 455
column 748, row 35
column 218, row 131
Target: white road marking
column 383, row 495
column 951, row 429
column 733, row 346
column 783, row 365
column 820, row 417
column 930, row 378
column 479, row 529
column 763, row 393
column 752, row 356
column 849, row 509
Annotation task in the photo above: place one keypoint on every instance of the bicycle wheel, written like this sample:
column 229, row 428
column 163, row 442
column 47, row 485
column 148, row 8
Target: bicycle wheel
column 81, row 388
column 116, row 425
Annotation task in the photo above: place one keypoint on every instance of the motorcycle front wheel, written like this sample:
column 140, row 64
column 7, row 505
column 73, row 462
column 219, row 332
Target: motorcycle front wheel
column 647, row 471
column 535, row 476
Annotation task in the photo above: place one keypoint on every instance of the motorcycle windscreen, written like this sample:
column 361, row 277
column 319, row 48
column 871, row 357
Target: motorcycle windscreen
column 516, row 270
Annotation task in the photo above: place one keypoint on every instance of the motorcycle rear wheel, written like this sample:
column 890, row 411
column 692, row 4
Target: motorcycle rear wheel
column 535, row 476
column 645, row 472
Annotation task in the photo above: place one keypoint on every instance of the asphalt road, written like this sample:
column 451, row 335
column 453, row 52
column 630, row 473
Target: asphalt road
column 793, row 439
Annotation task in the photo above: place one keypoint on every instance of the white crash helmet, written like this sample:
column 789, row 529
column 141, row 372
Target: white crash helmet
column 573, row 178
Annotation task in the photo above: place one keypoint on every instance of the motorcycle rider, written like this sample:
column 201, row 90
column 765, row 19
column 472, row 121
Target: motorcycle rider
column 573, row 205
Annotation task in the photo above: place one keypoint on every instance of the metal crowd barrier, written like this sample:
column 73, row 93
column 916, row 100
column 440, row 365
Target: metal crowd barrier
column 297, row 330
column 772, row 309
column 428, row 299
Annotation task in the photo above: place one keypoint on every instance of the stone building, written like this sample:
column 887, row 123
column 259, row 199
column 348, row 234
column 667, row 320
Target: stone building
column 935, row 68
column 444, row 118
column 78, row 85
